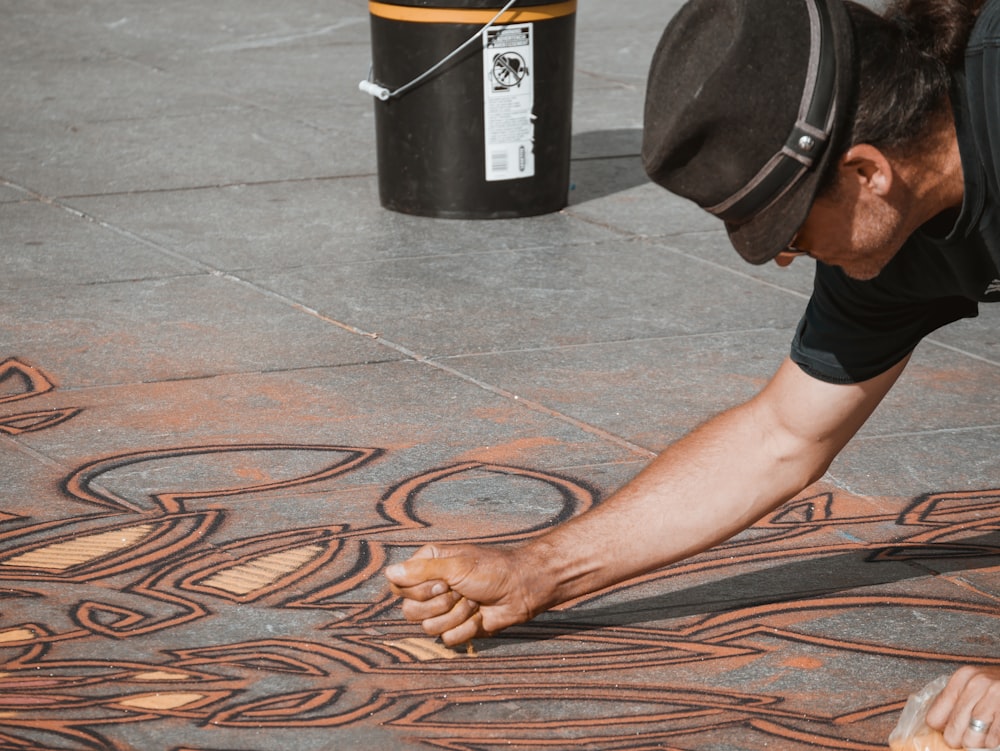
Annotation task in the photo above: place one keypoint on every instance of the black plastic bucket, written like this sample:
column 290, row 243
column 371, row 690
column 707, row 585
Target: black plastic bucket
column 487, row 136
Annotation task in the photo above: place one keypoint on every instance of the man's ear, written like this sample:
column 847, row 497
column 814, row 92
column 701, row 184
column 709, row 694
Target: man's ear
column 869, row 167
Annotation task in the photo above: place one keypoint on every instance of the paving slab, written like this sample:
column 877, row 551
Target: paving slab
column 42, row 249
column 651, row 391
column 542, row 297
column 304, row 224
column 234, row 144
column 129, row 332
column 233, row 389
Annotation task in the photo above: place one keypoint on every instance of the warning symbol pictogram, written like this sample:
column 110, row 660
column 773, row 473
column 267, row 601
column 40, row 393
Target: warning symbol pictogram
column 509, row 69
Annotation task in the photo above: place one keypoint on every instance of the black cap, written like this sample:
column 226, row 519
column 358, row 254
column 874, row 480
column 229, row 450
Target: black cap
column 746, row 103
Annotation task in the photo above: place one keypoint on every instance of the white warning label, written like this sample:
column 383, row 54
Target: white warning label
column 508, row 100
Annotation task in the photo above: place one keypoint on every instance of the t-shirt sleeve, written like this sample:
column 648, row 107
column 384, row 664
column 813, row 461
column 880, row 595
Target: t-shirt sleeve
column 982, row 68
column 852, row 330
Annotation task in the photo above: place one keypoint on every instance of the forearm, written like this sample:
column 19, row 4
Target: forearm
column 706, row 487
column 698, row 493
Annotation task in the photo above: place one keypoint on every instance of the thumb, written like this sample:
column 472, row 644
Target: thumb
column 427, row 564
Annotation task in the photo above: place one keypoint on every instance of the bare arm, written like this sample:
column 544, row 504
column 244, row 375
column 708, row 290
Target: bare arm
column 700, row 491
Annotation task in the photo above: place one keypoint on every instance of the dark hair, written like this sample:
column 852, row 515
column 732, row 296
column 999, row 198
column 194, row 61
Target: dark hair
column 905, row 59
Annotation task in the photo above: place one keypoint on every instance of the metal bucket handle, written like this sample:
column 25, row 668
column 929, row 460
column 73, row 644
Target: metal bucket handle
column 384, row 94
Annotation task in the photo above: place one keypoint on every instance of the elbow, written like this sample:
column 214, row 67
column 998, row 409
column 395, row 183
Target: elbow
column 816, row 472
column 800, row 469
column 797, row 460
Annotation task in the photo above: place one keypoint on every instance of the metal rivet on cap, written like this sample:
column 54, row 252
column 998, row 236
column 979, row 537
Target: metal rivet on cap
column 807, row 143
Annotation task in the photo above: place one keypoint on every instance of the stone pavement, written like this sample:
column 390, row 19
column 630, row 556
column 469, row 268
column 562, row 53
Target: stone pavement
column 233, row 388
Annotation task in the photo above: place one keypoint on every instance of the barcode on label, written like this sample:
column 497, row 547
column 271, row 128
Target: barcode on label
column 498, row 161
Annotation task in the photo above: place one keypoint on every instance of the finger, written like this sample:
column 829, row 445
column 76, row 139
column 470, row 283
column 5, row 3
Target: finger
column 943, row 707
column 957, row 727
column 419, row 570
column 460, row 612
column 464, row 632
column 984, row 723
column 421, row 592
column 993, row 736
column 429, row 551
column 976, row 731
column 416, row 611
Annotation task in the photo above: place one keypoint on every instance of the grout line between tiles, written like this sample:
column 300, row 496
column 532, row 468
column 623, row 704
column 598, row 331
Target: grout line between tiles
column 932, row 432
column 960, row 351
column 416, row 357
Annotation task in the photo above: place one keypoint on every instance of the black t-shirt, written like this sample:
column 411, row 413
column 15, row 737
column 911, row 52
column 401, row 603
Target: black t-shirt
column 853, row 330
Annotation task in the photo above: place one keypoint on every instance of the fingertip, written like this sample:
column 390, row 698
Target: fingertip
column 460, row 634
column 406, row 574
column 937, row 714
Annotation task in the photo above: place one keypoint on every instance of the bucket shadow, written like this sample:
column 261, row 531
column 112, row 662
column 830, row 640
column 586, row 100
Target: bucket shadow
column 605, row 162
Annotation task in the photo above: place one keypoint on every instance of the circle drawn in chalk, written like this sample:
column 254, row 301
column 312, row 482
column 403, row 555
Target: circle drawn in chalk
column 509, row 69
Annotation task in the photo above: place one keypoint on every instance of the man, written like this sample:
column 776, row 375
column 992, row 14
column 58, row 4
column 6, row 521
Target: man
column 807, row 126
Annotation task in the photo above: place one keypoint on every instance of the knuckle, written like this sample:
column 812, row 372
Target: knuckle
column 965, row 674
column 410, row 615
column 979, row 683
column 993, row 692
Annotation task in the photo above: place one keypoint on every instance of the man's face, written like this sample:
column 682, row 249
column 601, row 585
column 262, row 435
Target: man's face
column 851, row 228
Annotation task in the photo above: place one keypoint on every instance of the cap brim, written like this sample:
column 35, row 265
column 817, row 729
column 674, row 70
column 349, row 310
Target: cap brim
column 770, row 231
